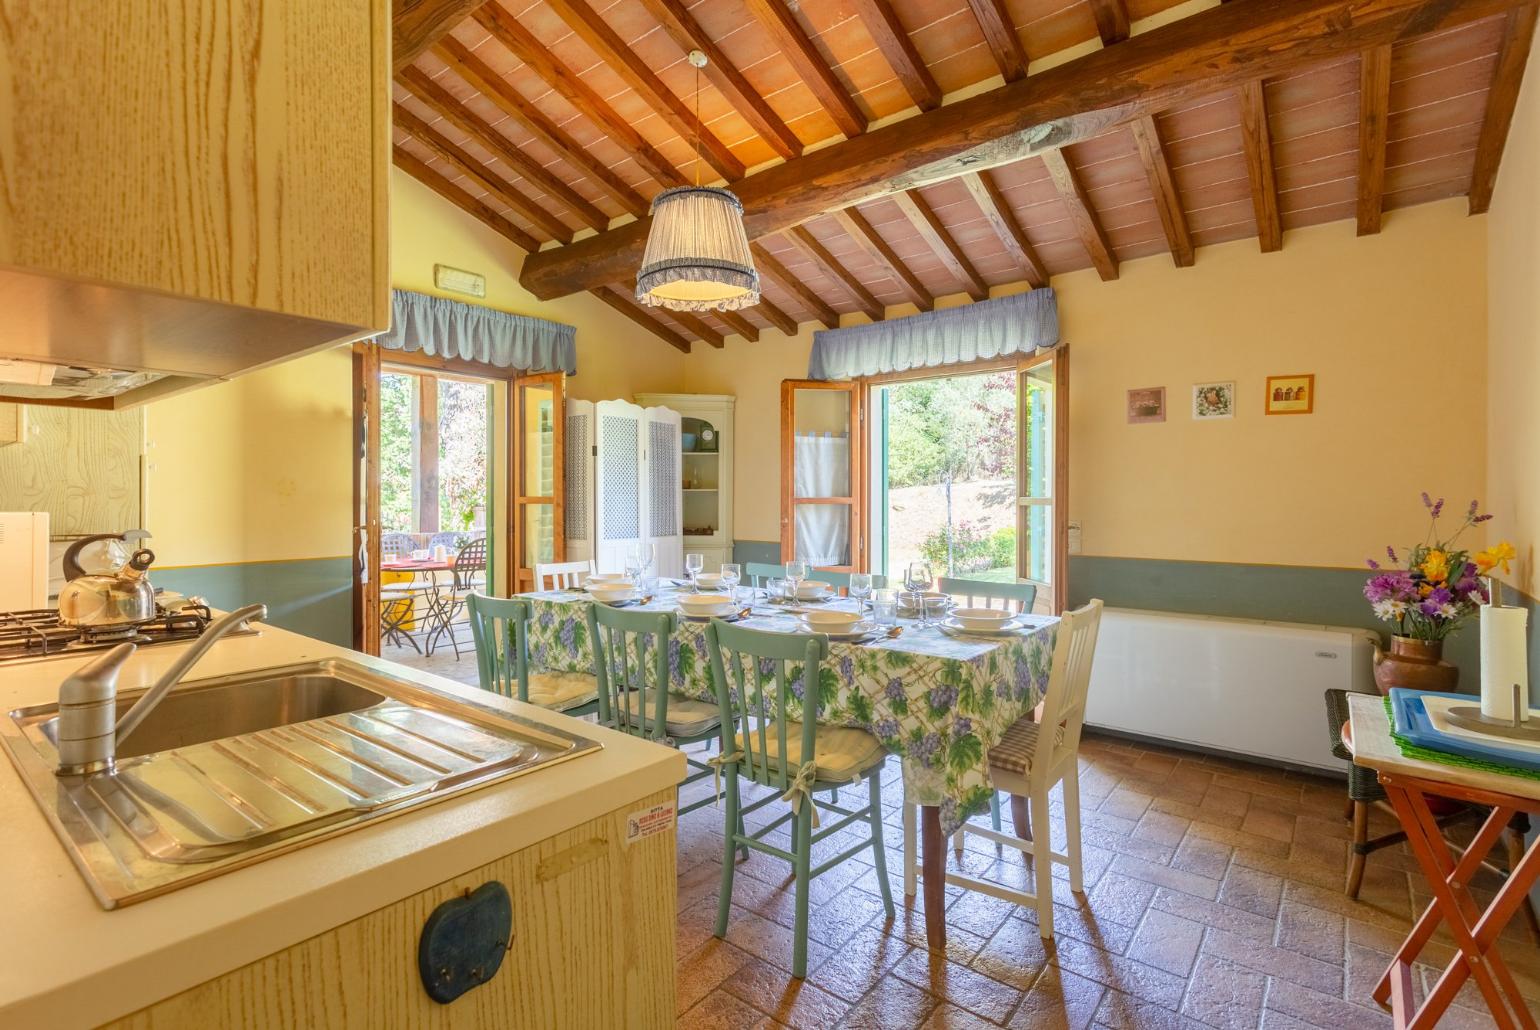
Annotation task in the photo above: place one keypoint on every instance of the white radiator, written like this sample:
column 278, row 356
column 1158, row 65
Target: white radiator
column 1249, row 687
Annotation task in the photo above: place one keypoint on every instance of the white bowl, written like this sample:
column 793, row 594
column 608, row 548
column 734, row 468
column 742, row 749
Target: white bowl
column 607, row 579
column 708, row 580
column 705, row 604
column 812, row 591
column 905, row 598
column 610, row 593
column 831, row 621
column 982, row 618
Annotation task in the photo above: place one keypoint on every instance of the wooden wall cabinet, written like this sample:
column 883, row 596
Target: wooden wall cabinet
column 593, row 946
column 195, row 189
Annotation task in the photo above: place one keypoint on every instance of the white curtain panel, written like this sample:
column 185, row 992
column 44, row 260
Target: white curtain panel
column 821, row 467
column 1020, row 324
column 447, row 328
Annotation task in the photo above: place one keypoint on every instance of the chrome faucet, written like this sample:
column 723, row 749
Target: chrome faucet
column 88, row 700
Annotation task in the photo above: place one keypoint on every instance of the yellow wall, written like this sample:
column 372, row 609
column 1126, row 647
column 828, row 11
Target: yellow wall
column 1513, row 379
column 1386, row 323
column 256, row 469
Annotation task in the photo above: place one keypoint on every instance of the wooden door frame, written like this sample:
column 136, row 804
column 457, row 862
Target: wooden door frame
column 856, row 499
column 517, row 470
column 369, row 359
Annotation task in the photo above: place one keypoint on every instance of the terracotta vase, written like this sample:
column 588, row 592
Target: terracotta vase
column 1414, row 664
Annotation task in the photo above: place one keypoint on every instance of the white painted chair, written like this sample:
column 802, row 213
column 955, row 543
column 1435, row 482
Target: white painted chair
column 562, row 575
column 1029, row 759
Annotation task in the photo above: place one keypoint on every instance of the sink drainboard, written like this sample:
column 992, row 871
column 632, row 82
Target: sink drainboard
column 176, row 816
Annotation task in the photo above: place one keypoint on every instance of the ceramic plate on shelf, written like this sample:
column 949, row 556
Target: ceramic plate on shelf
column 952, row 627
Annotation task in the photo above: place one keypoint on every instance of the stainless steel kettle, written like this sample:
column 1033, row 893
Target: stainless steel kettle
column 106, row 600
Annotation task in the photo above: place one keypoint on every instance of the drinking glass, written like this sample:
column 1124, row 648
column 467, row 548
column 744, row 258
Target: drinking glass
column 775, row 588
column 732, row 575
column 860, row 586
column 885, row 606
column 693, row 563
column 796, row 572
column 917, row 580
column 933, row 610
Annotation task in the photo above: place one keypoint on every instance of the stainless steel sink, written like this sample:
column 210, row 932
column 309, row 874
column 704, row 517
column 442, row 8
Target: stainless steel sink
column 232, row 770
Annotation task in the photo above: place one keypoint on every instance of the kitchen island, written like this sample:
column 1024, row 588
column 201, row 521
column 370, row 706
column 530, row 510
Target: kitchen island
column 327, row 934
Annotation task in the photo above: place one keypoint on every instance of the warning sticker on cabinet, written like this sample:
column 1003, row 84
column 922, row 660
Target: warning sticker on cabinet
column 648, row 822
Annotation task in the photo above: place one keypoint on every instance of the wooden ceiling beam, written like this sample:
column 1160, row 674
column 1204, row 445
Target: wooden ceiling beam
column 870, row 240
column 898, row 49
column 796, row 47
column 622, row 303
column 809, row 245
column 935, row 234
column 1257, row 141
column 1000, row 34
column 628, row 64
column 1196, row 57
column 1168, row 200
column 1518, row 34
column 520, row 42
column 451, row 110
column 473, row 206
column 1111, row 20
column 480, row 174
column 981, row 186
column 768, row 264
column 697, row 327
column 778, row 318
column 687, row 34
column 512, row 103
column 1373, row 116
column 415, row 25
column 1081, row 213
column 735, row 321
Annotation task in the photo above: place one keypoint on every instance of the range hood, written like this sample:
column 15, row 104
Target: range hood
column 83, row 344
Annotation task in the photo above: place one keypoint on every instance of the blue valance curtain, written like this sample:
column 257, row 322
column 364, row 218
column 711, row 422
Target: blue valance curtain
column 450, row 329
column 1020, row 324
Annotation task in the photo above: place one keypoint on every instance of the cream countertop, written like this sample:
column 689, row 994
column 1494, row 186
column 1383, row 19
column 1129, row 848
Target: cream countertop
column 66, row 962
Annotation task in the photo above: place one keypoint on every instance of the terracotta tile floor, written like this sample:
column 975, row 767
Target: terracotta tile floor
column 1213, row 898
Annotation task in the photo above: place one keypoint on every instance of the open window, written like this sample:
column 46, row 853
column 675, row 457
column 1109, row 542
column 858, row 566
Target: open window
column 537, row 439
column 822, row 514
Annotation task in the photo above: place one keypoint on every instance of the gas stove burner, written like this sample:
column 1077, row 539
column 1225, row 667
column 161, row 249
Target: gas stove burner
column 39, row 634
column 98, row 637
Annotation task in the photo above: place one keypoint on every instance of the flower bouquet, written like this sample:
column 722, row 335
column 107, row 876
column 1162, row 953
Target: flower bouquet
column 1430, row 598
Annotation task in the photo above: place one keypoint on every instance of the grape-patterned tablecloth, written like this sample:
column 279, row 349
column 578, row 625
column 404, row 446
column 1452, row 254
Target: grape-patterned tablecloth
column 937, row 700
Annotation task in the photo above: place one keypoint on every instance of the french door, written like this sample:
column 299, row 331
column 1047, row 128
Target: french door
column 1042, row 477
column 822, row 486
column 537, row 440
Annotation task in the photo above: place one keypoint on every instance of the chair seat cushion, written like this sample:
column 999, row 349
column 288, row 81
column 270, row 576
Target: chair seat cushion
column 1017, row 748
column 840, row 753
column 686, row 717
column 560, row 691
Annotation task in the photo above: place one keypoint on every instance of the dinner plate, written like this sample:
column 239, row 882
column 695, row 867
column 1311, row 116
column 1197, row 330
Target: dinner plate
column 952, row 627
column 855, row 632
column 731, row 616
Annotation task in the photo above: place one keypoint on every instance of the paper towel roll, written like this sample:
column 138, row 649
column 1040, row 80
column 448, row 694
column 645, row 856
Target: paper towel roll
column 1504, row 661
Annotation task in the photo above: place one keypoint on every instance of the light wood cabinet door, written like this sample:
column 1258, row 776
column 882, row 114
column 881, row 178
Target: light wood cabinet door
column 160, row 161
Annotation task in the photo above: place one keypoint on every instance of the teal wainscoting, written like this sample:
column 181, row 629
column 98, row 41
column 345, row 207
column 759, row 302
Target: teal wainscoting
column 1283, row 593
column 313, row 597
column 745, row 551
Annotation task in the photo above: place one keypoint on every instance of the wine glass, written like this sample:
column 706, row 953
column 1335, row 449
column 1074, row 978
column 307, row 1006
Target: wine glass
column 860, row 587
column 917, row 578
column 796, row 572
column 693, row 563
column 732, row 575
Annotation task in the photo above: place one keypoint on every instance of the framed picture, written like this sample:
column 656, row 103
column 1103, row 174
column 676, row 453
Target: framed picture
column 1213, row 400
column 1147, row 404
column 1290, row 395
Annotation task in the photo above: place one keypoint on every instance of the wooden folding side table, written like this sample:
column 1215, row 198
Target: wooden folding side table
column 1408, row 782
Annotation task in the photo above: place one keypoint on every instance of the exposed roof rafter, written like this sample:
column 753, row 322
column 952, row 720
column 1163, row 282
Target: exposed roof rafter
column 1518, row 34
column 981, row 186
column 1168, row 202
column 476, row 208
column 617, row 299
column 935, row 234
column 1373, row 116
column 768, row 264
column 1111, row 20
column 1081, row 214
column 809, row 245
column 898, row 49
column 816, row 74
column 1000, row 33
column 1257, row 140
column 870, row 240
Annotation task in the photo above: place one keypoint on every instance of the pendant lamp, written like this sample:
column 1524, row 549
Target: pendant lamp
column 697, row 256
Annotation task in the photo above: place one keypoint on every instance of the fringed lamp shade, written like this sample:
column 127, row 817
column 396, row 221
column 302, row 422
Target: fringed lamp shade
column 697, row 256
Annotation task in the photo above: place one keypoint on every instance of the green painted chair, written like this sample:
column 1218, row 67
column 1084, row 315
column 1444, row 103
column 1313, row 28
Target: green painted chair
column 979, row 593
column 797, row 760
column 499, row 627
column 758, row 572
column 631, row 662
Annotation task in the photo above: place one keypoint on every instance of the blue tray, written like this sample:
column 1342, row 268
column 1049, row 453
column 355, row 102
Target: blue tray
column 1414, row 724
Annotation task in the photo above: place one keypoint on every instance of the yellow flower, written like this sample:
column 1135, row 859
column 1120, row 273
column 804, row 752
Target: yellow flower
column 1496, row 556
column 1435, row 566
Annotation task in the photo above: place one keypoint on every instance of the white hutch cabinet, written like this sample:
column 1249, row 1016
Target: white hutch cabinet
column 705, row 469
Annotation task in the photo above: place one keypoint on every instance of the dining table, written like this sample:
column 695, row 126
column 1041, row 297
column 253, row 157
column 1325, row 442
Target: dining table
column 939, row 698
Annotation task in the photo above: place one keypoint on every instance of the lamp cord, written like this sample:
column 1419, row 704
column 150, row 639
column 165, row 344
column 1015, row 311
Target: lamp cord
column 697, row 127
